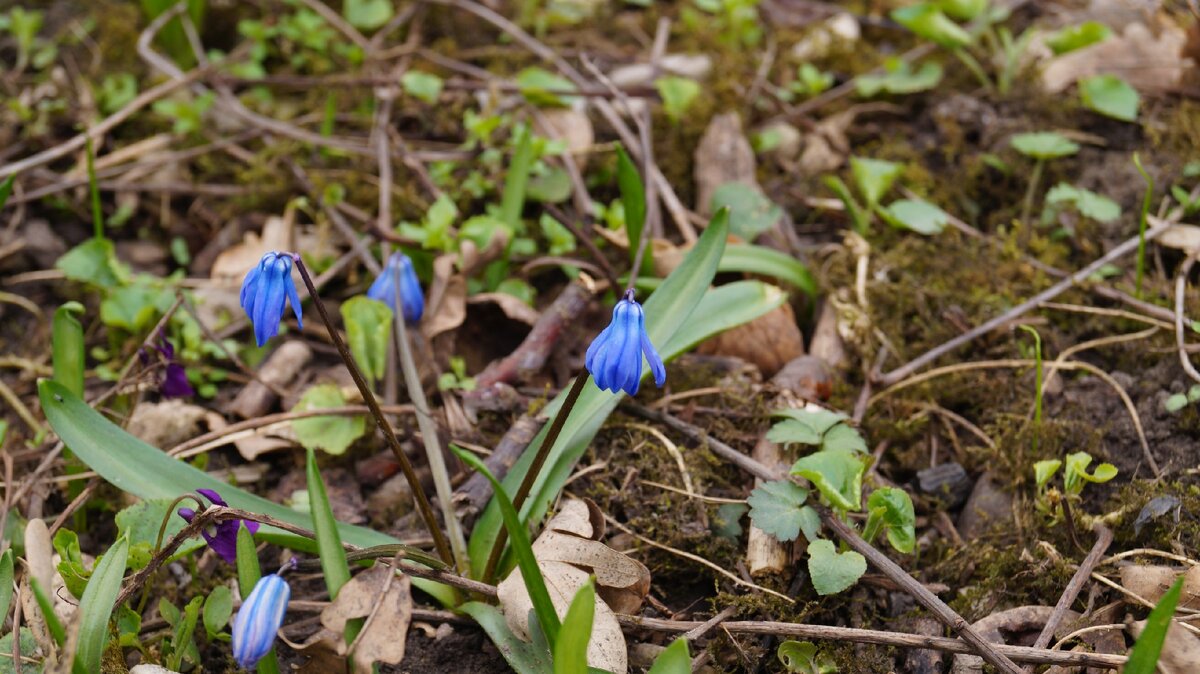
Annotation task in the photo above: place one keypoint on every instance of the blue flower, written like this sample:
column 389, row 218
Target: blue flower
column 223, row 538
column 263, row 293
column 259, row 619
column 384, row 287
column 615, row 356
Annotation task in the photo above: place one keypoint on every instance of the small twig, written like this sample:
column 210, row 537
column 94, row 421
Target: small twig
column 1104, row 538
column 708, row 625
column 1180, row 293
column 531, row 355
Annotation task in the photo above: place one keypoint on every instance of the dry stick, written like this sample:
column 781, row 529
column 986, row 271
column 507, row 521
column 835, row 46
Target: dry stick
column 535, row 468
column 929, row 600
column 1104, row 537
column 260, row 422
column 1180, row 292
column 360, row 245
column 414, row 482
column 803, row 631
column 1053, row 291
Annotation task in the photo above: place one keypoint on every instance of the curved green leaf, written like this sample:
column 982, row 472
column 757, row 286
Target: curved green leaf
column 667, row 311
column 832, row 571
column 521, row 655
column 96, row 606
column 723, row 308
column 570, row 651
column 675, row 659
column 837, row 474
column 1143, row 659
column 768, row 262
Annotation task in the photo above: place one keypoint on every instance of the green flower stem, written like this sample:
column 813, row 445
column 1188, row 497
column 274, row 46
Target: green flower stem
column 414, row 482
column 1141, row 251
column 1027, row 206
column 973, row 65
column 535, row 468
column 429, row 435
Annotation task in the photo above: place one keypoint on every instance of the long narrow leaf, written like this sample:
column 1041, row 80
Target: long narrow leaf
column 768, row 262
column 633, row 198
column 671, row 306
column 67, row 347
column 53, row 625
column 248, row 569
column 512, row 201
column 570, row 652
column 1143, row 659
column 148, row 473
column 6, row 576
column 6, row 189
column 522, row 656
column 96, row 607
column 523, row 549
column 329, row 544
column 674, row 660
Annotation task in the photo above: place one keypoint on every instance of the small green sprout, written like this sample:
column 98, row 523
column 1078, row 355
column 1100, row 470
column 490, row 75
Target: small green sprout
column 1049, row 500
column 1041, row 147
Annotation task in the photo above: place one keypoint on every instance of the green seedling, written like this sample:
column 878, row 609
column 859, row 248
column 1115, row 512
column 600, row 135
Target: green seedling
column 1049, row 500
column 1041, row 147
column 873, row 178
column 899, row 78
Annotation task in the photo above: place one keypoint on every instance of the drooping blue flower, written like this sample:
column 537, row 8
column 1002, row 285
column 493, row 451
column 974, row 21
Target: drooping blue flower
column 223, row 537
column 399, row 267
column 615, row 356
column 259, row 618
column 263, row 293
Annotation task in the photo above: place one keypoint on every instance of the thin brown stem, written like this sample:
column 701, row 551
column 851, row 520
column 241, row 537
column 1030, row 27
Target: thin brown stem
column 414, row 482
column 535, row 468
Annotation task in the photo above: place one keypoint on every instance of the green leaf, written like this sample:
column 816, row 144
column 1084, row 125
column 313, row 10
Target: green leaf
column 793, row 431
column 74, row 574
column 899, row 78
column 560, row 238
column 750, row 211
column 333, row 556
column 778, row 509
column 1176, row 402
column 1071, row 38
column 899, row 519
column 368, row 328
column 831, row 571
column 218, row 608
column 67, row 347
column 818, row 421
column 53, row 625
column 181, row 641
column 802, row 657
column 860, row 218
column 837, row 474
column 332, row 434
column 512, row 200
column 754, row 259
column 668, row 311
column 248, row 570
column 919, row 216
column 1143, row 658
column 1043, row 471
column 678, row 94
column 727, row 522
column 367, row 14
column 570, row 651
column 724, row 308
column 1089, row 204
column 846, row 438
column 874, row 177
column 1043, row 145
column 139, row 524
column 1110, row 96
column 551, row 187
column 136, row 308
column 963, row 10
column 6, row 581
column 6, row 189
column 424, row 86
column 927, row 21
column 518, row 535
column 674, row 659
column 521, row 655
column 94, row 261
column 29, row 644
column 633, row 198
column 543, row 88
column 96, row 606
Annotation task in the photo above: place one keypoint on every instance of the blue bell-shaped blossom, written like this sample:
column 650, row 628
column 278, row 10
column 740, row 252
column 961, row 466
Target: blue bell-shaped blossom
column 258, row 620
column 383, row 289
column 615, row 356
column 263, row 293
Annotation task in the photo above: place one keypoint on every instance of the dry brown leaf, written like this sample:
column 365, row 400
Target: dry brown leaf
column 511, row 305
column 1156, row 59
column 447, row 306
column 568, row 553
column 573, row 127
column 235, row 261
column 1181, row 237
column 723, row 156
column 384, row 598
column 769, row 341
column 39, row 555
column 170, row 422
column 1152, row 581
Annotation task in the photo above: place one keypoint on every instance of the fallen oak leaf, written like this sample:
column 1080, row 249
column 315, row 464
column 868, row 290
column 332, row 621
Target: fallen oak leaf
column 384, row 598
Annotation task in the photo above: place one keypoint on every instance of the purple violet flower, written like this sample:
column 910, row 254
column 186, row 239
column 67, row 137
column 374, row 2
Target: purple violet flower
column 223, row 537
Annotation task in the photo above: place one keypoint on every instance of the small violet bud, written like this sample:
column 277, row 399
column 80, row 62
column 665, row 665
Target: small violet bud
column 223, row 537
column 615, row 356
column 264, row 291
column 399, row 271
column 258, row 620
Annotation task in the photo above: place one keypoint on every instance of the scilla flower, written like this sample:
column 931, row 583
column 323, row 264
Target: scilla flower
column 222, row 537
column 259, row 619
column 399, row 268
column 615, row 356
column 264, row 291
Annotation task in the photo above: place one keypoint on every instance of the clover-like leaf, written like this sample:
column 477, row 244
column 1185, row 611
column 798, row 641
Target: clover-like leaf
column 832, row 571
column 778, row 509
column 837, row 474
column 896, row 516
